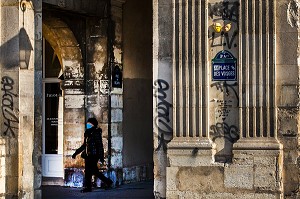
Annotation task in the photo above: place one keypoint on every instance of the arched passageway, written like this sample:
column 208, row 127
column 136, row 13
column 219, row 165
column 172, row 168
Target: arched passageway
column 62, row 66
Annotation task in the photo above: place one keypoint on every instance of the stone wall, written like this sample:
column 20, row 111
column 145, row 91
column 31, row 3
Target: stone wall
column 17, row 43
column 287, row 87
column 116, row 97
column 10, row 101
column 163, row 101
column 10, row 131
column 21, row 123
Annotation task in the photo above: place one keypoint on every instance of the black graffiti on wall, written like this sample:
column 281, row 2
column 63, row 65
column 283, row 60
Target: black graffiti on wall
column 224, row 108
column 162, row 142
column 225, row 14
column 224, row 39
column 224, row 87
column 162, row 120
column 8, row 111
column 224, row 10
column 231, row 133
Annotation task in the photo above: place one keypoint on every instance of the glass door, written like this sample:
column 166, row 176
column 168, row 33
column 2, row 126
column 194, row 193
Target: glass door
column 53, row 130
column 52, row 115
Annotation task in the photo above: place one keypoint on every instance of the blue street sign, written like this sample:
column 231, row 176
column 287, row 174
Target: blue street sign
column 224, row 67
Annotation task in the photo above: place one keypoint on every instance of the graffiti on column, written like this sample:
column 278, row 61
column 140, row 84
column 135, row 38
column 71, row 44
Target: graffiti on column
column 162, row 119
column 223, row 33
column 225, row 87
column 230, row 133
column 224, row 10
column 224, row 106
column 225, row 16
column 10, row 117
column 228, row 41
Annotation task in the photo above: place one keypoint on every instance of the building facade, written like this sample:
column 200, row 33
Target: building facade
column 201, row 96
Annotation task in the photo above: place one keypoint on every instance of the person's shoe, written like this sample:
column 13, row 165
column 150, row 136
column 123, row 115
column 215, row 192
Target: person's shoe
column 84, row 190
column 108, row 184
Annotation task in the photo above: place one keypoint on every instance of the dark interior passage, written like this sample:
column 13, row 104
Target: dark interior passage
column 137, row 33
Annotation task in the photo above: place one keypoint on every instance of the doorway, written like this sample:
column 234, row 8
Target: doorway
column 52, row 157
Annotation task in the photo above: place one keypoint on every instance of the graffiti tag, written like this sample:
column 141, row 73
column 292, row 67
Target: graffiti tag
column 11, row 120
column 224, row 10
column 231, row 133
column 163, row 113
column 228, row 41
column 224, row 88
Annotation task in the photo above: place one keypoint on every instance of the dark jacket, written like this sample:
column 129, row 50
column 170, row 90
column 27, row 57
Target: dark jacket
column 92, row 146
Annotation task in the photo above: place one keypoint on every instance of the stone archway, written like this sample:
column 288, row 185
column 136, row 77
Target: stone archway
column 64, row 43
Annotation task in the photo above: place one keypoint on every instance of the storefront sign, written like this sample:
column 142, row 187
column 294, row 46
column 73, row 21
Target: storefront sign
column 224, row 67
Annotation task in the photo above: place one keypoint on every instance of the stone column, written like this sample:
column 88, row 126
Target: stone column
column 223, row 64
column 257, row 154
column 162, row 91
column 38, row 96
column 191, row 145
column 287, row 92
column 10, row 64
column 30, row 51
column 116, row 94
column 19, row 25
column 97, row 76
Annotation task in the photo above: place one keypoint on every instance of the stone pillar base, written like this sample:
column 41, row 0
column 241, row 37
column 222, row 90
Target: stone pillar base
column 190, row 152
column 188, row 161
column 254, row 173
column 256, row 166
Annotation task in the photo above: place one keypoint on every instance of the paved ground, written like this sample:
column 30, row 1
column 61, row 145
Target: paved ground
column 142, row 190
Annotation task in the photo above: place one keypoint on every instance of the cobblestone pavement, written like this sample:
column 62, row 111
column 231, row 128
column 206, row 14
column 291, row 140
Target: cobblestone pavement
column 142, row 190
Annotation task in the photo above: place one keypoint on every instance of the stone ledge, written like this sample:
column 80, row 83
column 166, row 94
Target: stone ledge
column 190, row 143
column 260, row 143
column 198, row 195
column 192, row 152
column 52, row 181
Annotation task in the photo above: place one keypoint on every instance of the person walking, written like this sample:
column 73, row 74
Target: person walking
column 92, row 151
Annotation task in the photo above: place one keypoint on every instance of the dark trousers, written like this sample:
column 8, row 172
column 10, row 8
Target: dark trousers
column 92, row 169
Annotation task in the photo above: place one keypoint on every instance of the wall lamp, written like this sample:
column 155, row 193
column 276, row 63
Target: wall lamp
column 24, row 3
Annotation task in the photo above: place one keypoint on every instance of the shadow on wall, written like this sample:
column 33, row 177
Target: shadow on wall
column 13, row 53
column 18, row 45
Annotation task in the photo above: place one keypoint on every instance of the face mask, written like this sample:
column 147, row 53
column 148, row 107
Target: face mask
column 88, row 126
